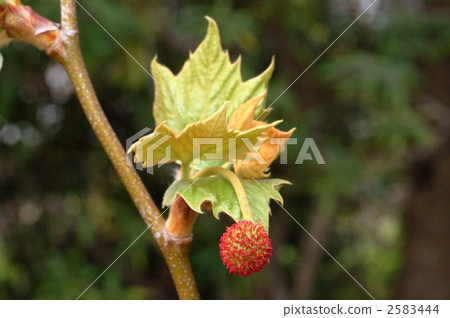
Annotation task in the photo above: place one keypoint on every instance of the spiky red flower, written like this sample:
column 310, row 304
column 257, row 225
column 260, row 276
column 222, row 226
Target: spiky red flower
column 245, row 248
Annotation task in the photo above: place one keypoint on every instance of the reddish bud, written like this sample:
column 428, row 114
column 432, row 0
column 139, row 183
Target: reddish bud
column 22, row 24
column 245, row 248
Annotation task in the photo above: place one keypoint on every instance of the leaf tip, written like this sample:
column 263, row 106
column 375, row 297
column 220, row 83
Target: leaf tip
column 212, row 38
column 212, row 24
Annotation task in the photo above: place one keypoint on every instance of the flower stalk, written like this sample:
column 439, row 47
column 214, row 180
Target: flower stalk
column 237, row 186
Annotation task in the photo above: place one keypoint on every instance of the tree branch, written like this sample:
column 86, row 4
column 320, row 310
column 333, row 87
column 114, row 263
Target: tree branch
column 21, row 23
column 66, row 50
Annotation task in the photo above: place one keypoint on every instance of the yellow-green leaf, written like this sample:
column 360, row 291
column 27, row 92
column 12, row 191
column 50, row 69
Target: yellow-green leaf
column 165, row 145
column 219, row 194
column 206, row 81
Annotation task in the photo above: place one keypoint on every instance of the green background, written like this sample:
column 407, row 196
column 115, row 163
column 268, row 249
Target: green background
column 376, row 105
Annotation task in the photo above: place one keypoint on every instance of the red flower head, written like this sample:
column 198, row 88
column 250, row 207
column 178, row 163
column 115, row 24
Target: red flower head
column 245, row 248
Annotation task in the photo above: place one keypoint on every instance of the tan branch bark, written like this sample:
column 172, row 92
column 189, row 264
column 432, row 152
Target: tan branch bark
column 23, row 24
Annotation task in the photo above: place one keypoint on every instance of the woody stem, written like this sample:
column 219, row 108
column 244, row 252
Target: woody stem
column 66, row 51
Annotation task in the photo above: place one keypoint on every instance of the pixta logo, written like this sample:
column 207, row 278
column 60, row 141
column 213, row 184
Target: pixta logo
column 149, row 148
column 218, row 149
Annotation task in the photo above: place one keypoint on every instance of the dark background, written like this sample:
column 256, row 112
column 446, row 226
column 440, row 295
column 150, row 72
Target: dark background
column 376, row 104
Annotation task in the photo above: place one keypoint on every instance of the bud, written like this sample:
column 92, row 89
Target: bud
column 245, row 248
column 21, row 23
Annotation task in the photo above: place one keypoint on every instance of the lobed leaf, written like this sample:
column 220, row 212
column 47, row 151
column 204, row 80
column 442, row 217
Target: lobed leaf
column 206, row 81
column 152, row 149
column 219, row 193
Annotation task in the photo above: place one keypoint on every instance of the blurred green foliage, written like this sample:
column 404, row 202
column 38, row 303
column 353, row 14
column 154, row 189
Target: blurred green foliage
column 64, row 215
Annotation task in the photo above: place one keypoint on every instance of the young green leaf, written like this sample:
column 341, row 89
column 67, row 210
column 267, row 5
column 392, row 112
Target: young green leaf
column 151, row 149
column 220, row 194
column 206, row 81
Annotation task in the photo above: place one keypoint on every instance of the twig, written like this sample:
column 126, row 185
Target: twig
column 65, row 49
